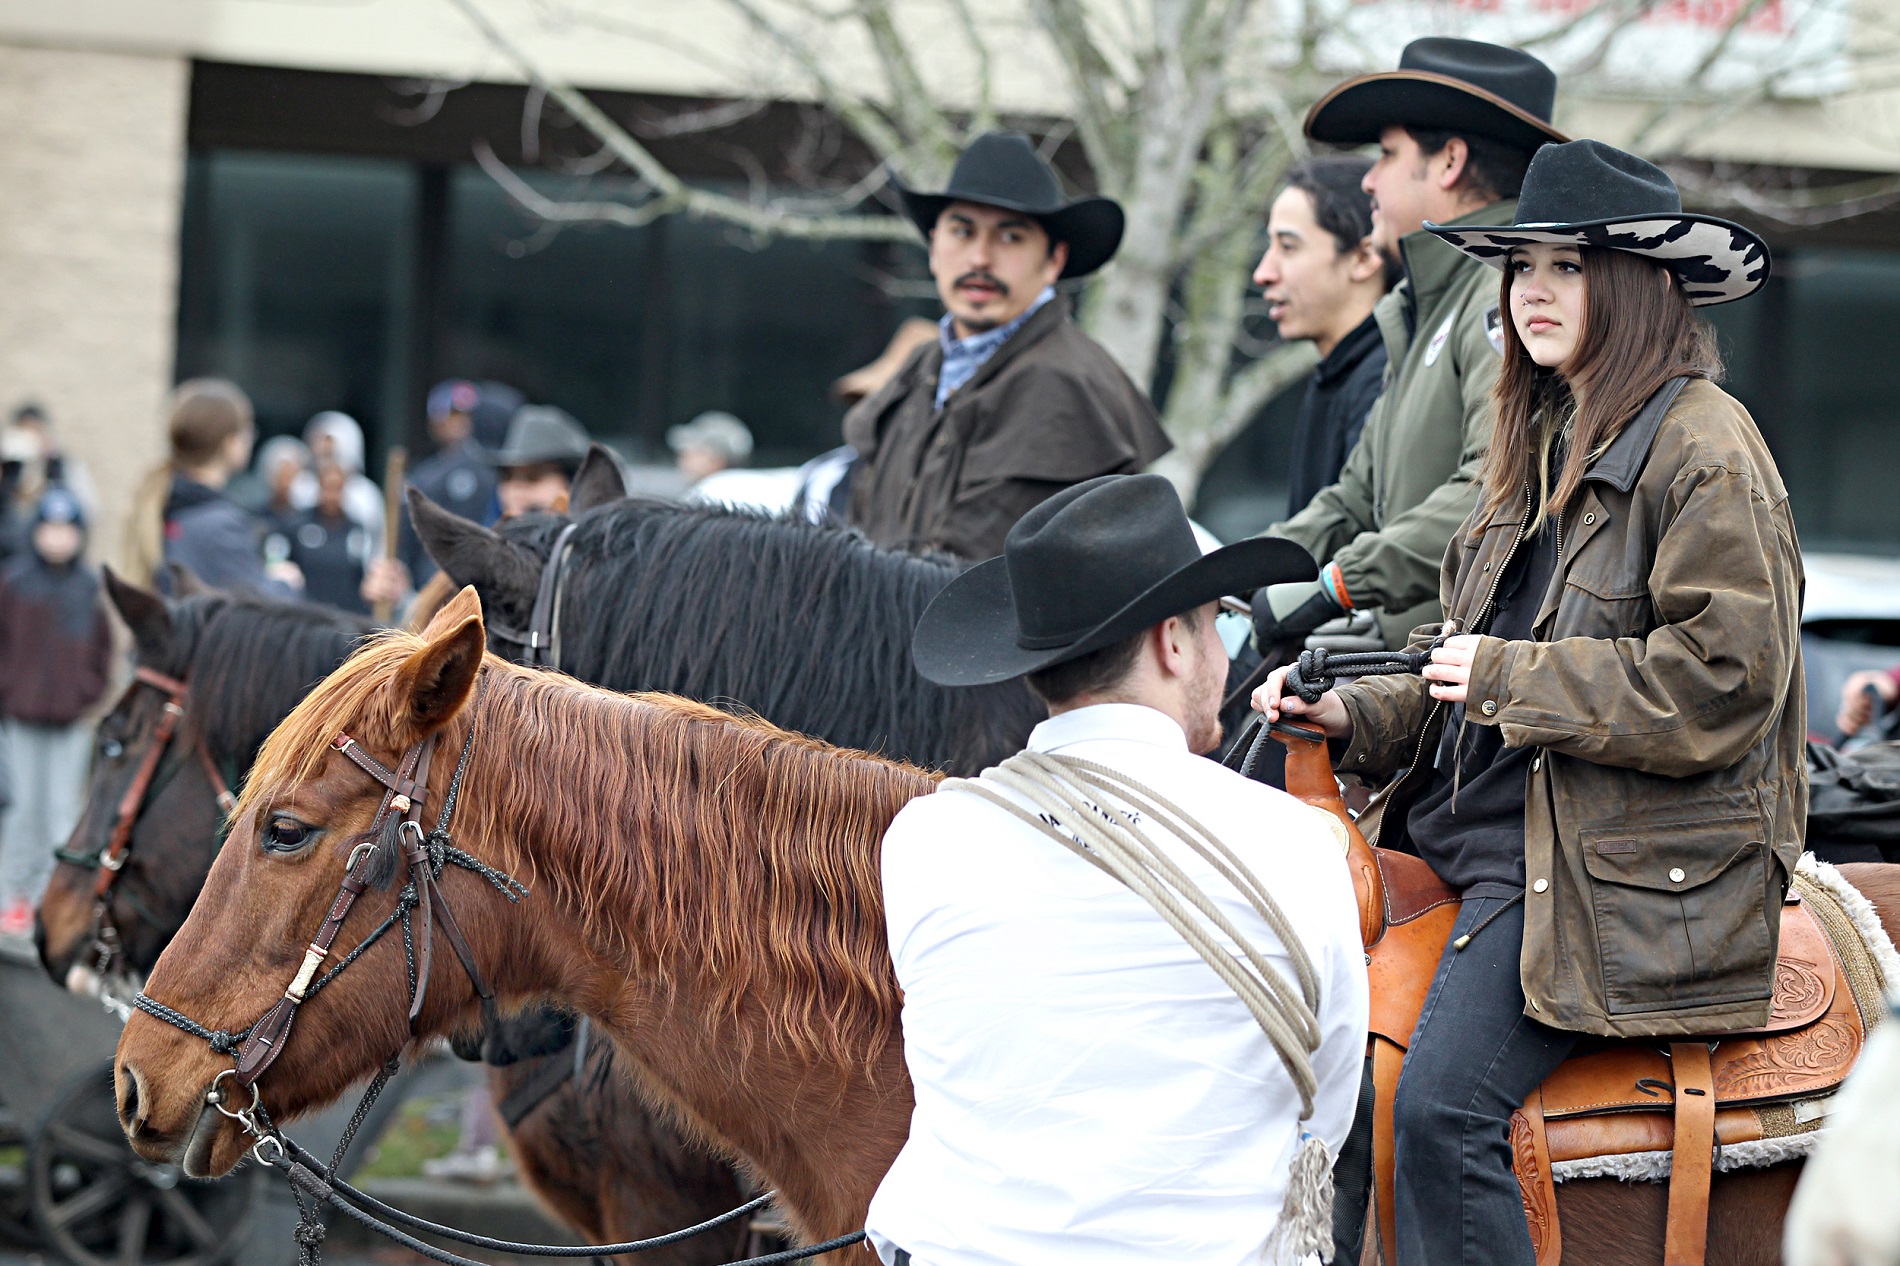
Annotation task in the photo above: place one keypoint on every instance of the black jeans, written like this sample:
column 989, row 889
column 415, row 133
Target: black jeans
column 1475, row 1057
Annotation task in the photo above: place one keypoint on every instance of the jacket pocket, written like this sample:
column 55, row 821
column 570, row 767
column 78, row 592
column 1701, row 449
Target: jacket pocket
column 1680, row 912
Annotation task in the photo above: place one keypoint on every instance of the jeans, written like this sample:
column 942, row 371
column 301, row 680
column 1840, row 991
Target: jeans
column 49, row 764
column 1475, row 1057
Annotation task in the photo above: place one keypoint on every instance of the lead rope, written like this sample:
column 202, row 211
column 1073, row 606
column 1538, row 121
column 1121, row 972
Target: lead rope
column 1069, row 790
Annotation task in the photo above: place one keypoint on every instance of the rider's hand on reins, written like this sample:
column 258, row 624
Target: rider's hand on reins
column 1450, row 670
column 1274, row 701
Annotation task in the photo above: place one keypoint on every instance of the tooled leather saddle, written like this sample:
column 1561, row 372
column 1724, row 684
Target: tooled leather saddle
column 1687, row 1097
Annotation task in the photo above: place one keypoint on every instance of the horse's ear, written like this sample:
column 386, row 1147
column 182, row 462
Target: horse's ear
column 144, row 612
column 436, row 681
column 185, row 582
column 472, row 554
column 597, row 483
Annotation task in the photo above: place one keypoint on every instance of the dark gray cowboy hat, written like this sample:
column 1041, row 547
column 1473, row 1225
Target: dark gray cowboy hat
column 542, row 433
column 1094, row 564
column 1587, row 193
column 1454, row 85
column 1002, row 169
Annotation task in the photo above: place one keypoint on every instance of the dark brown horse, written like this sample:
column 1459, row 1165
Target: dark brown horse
column 706, row 886
column 245, row 662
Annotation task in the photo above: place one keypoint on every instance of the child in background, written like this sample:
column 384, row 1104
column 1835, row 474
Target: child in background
column 55, row 664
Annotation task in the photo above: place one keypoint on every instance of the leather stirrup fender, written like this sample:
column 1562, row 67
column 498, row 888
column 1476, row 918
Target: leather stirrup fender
column 1685, row 1237
column 1387, row 1059
column 1530, row 1157
column 1309, row 779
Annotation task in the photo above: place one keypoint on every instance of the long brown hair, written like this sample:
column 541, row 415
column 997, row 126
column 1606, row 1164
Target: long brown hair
column 1636, row 336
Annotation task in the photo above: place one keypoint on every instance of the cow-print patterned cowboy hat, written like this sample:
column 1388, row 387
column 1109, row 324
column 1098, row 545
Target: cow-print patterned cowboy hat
column 1586, row 193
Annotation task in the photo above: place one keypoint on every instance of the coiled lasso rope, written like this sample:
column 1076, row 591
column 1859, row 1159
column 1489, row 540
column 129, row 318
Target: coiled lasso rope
column 1071, row 791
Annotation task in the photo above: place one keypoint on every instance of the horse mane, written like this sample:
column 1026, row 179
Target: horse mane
column 807, row 624
column 707, row 845
column 252, row 660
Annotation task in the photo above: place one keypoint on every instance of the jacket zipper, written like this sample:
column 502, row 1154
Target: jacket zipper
column 1483, row 610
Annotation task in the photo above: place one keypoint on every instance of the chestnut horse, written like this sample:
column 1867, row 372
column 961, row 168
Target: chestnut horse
column 705, row 886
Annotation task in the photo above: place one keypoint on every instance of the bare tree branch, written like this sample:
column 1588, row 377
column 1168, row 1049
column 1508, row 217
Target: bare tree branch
column 674, row 194
column 984, row 118
column 911, row 101
column 864, row 118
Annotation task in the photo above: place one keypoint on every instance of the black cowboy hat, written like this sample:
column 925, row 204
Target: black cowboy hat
column 1587, row 193
column 1002, row 169
column 1455, row 85
column 1094, row 564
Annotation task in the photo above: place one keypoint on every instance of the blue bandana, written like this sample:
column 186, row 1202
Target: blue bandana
column 962, row 357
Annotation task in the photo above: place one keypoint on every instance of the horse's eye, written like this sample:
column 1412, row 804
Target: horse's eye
column 285, row 835
column 111, row 749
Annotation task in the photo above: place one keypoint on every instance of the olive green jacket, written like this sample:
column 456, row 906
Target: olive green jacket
column 1668, row 803
column 1412, row 478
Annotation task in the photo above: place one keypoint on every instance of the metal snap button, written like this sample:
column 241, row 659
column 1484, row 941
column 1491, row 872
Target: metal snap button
column 1489, row 707
column 1588, row 519
column 1676, row 875
column 1542, row 885
column 1362, row 758
column 1537, row 762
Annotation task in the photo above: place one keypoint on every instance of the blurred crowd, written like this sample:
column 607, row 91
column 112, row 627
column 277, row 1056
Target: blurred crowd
column 295, row 517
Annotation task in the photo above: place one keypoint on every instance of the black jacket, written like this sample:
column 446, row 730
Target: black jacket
column 1338, row 397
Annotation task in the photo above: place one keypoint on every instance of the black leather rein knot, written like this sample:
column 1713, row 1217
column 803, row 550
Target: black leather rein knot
column 1319, row 669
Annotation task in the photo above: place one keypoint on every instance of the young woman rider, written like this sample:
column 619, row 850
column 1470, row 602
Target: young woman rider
column 1605, row 754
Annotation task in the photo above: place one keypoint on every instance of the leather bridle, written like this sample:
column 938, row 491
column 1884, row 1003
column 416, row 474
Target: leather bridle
column 314, row 1183
column 396, row 827
column 108, row 862
column 541, row 642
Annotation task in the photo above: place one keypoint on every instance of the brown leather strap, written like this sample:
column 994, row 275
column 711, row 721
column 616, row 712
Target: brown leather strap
column 113, row 859
column 226, row 801
column 267, row 1036
column 1387, row 1058
column 1530, row 1158
column 1685, row 1239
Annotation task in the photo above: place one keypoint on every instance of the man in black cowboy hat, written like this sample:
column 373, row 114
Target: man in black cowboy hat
column 1011, row 402
column 1456, row 126
column 1088, row 1090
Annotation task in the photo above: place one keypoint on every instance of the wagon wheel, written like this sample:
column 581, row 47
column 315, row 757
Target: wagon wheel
column 16, row 1218
column 97, row 1203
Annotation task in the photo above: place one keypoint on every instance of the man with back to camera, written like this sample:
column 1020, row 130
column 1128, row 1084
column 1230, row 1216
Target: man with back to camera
column 1321, row 275
column 1088, row 1090
column 1456, row 126
column 1011, row 402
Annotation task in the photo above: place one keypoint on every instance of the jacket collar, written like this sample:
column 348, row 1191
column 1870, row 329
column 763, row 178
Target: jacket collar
column 1040, row 324
column 1348, row 352
column 1624, row 459
column 1431, row 264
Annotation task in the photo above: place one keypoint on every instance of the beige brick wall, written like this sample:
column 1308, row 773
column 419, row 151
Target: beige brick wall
column 91, row 174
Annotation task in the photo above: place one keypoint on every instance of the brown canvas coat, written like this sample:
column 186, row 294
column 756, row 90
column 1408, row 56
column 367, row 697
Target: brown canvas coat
column 1051, row 408
column 1668, row 803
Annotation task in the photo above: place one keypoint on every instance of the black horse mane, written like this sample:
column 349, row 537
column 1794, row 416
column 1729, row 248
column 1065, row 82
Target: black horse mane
column 251, row 661
column 808, row 626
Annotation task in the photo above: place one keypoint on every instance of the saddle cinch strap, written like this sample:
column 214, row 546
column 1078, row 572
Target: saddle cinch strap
column 1625, row 1098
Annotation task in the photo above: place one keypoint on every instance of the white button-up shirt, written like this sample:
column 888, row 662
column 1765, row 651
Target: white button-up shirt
column 1088, row 1090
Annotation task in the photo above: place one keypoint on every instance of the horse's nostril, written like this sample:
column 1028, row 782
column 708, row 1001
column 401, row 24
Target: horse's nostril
column 128, row 1097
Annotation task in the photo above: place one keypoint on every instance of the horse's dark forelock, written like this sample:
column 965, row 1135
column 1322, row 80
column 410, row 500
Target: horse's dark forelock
column 809, row 626
column 251, row 661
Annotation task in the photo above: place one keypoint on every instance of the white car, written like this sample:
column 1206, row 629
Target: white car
column 1850, row 621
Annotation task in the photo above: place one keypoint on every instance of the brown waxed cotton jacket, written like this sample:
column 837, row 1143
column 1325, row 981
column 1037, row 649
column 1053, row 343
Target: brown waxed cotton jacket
column 1049, row 409
column 1668, row 804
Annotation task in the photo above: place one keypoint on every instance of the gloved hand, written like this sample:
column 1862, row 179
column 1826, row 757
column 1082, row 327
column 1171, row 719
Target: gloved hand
column 1285, row 613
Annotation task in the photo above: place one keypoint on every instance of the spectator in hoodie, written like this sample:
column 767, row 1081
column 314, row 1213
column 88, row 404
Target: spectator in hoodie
column 338, row 437
column 197, row 525
column 55, row 665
